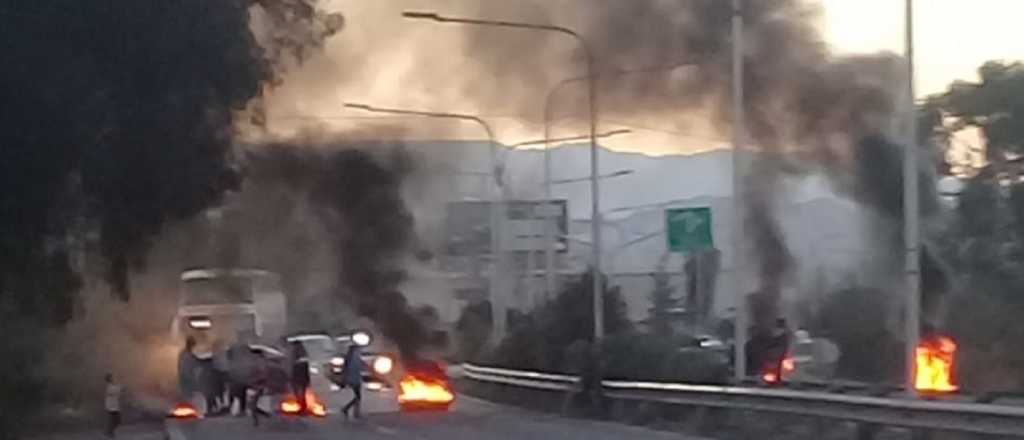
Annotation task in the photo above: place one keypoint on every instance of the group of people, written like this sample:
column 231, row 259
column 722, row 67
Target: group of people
column 224, row 377
column 238, row 376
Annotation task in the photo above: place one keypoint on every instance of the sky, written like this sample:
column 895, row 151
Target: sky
column 952, row 38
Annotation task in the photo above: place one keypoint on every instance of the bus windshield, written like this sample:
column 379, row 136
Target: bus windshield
column 219, row 290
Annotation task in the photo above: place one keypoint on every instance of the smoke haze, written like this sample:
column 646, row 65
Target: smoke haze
column 835, row 114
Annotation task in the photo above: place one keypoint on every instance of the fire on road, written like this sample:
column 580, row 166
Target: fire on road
column 470, row 419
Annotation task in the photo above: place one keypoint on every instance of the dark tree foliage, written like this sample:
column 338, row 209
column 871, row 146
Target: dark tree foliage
column 854, row 318
column 539, row 339
column 702, row 270
column 472, row 329
column 116, row 118
column 127, row 105
column 995, row 105
column 984, row 242
column 659, row 316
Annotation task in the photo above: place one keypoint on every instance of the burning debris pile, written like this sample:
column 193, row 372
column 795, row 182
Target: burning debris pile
column 934, row 360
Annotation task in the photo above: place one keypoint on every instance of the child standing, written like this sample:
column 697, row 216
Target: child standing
column 112, row 403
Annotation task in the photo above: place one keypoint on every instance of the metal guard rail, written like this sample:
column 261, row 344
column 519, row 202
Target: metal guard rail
column 527, row 379
column 927, row 414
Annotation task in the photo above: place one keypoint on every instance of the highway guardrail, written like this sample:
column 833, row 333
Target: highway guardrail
column 922, row 413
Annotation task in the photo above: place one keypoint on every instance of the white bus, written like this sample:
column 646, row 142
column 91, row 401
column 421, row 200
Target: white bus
column 223, row 305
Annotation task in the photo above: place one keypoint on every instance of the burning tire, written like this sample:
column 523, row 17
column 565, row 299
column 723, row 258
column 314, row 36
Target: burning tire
column 425, row 388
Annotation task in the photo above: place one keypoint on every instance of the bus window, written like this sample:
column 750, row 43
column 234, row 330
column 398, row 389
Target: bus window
column 220, row 290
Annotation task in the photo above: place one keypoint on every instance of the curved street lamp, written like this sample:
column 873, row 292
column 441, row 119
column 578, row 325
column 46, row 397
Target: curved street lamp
column 592, row 92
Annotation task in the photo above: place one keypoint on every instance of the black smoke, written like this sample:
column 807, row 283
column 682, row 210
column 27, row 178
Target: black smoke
column 355, row 191
column 836, row 113
column 879, row 184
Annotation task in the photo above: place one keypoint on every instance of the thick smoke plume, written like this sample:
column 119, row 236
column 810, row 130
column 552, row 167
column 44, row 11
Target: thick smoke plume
column 801, row 101
column 355, row 190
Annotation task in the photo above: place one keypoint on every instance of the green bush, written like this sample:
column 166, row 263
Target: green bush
column 854, row 319
column 472, row 330
column 539, row 340
column 557, row 337
column 638, row 356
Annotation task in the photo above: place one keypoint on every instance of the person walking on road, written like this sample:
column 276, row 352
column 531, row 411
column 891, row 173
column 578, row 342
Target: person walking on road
column 112, row 403
column 352, row 374
column 300, row 374
column 187, row 365
column 259, row 382
column 221, row 368
column 241, row 363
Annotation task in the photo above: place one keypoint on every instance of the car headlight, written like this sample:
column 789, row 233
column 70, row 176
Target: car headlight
column 314, row 370
column 361, row 338
column 383, row 365
column 337, row 361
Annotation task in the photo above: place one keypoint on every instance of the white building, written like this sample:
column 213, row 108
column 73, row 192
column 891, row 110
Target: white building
column 823, row 230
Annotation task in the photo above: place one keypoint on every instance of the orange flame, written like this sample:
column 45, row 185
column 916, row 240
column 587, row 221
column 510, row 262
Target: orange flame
column 290, row 405
column 787, row 366
column 184, row 411
column 416, row 390
column 934, row 365
column 314, row 405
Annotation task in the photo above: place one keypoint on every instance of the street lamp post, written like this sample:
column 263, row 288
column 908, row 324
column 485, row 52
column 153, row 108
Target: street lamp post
column 618, row 173
column 549, row 254
column 911, row 238
column 494, row 281
column 592, row 92
column 545, row 141
column 740, row 327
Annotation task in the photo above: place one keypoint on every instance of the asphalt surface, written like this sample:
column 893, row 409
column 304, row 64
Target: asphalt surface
column 468, row 418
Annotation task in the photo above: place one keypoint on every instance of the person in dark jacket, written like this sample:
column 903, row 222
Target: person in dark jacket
column 240, row 365
column 300, row 373
column 187, row 364
column 352, row 376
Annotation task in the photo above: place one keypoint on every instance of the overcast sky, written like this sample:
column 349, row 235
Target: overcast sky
column 952, row 37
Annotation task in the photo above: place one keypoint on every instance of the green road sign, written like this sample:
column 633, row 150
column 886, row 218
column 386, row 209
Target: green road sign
column 688, row 229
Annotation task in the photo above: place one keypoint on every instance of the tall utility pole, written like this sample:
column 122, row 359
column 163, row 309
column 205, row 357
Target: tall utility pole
column 594, row 171
column 495, row 286
column 549, row 254
column 738, row 137
column 911, row 214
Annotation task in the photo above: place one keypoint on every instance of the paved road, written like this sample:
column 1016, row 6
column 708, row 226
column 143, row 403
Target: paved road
column 469, row 419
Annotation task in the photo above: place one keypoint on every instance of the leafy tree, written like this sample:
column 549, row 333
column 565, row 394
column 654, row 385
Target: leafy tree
column 541, row 337
column 995, row 105
column 984, row 242
column 117, row 117
column 659, row 318
column 702, row 270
